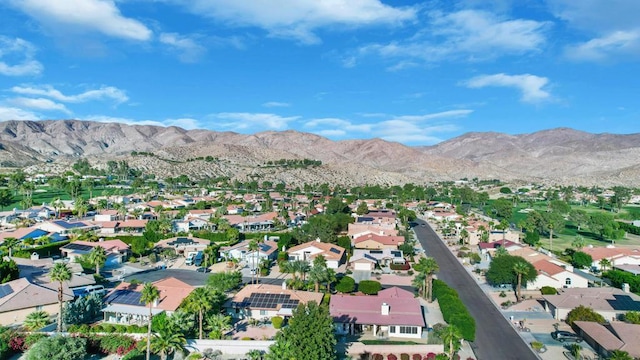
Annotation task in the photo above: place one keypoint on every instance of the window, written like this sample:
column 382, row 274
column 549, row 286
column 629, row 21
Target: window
column 408, row 330
column 567, row 281
column 392, row 329
column 263, row 312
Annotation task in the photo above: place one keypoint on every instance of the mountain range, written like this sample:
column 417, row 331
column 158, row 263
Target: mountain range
column 562, row 155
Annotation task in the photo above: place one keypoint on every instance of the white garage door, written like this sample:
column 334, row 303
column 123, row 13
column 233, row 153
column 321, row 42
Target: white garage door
column 362, row 266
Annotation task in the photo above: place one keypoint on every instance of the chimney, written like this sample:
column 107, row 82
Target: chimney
column 284, row 285
column 318, row 240
column 625, row 287
column 384, row 309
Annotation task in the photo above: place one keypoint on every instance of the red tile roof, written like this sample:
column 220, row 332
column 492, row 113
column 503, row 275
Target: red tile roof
column 404, row 308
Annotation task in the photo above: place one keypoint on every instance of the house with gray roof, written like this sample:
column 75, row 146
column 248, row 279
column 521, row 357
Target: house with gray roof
column 20, row 297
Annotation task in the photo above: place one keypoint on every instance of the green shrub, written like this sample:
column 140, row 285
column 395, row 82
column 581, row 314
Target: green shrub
column 453, row 309
column 33, row 338
column 108, row 328
column 346, row 285
column 114, row 343
column 404, row 356
column 134, row 354
column 369, row 287
column 548, row 290
column 277, row 322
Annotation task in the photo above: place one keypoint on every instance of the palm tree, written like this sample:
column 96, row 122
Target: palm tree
column 98, row 257
column 218, row 323
column 317, row 275
column 451, row 336
column 427, row 266
column 199, row 301
column 619, row 355
column 11, row 243
column 520, row 268
column 605, row 264
column 60, row 272
column 167, row 342
column 36, row 320
column 575, row 349
column 150, row 294
column 253, row 250
column 255, row 354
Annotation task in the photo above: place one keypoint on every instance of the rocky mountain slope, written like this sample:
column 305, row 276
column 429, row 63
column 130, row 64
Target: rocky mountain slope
column 559, row 155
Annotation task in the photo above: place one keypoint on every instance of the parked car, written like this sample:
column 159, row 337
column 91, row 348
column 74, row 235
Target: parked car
column 563, row 336
column 203, row 269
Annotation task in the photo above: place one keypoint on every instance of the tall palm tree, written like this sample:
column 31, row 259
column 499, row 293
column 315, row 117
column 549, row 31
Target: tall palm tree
column 150, row 294
column 98, row 257
column 11, row 243
column 253, row 250
column 451, row 336
column 605, row 264
column 317, row 275
column 427, row 266
column 199, row 301
column 167, row 342
column 520, row 268
column 60, row 272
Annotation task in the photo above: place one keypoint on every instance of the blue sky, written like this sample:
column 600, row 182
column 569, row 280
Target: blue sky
column 407, row 71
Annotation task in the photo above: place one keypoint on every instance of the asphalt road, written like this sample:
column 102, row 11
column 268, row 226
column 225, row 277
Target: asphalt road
column 496, row 339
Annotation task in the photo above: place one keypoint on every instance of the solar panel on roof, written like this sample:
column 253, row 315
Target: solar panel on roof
column 125, row 297
column 334, row 250
column 5, row 290
column 79, row 247
column 375, row 251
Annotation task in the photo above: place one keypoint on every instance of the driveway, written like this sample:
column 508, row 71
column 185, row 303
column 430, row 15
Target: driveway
column 495, row 337
column 359, row 275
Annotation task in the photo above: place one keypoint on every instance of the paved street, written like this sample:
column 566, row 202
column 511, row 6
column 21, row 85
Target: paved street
column 495, row 337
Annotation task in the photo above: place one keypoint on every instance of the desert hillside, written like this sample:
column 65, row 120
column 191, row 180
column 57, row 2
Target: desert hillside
column 557, row 155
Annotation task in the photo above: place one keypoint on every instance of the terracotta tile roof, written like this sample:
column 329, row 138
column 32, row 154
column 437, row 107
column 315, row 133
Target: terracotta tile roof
column 547, row 267
column 382, row 239
column 23, row 294
column 172, row 292
column 599, row 299
column 302, row 296
column 108, row 245
column 614, row 336
column 404, row 308
column 599, row 253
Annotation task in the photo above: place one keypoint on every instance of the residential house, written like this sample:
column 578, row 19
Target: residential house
column 333, row 254
column 369, row 259
column 394, row 312
column 358, row 229
column 183, row 245
column 266, row 250
column 20, row 297
column 106, row 215
column 65, row 228
column 554, row 274
column 609, row 302
column 374, row 241
column 489, row 248
column 604, row 339
column 616, row 256
column 263, row 301
column 123, row 227
column 123, row 305
column 191, row 224
column 117, row 251
column 260, row 222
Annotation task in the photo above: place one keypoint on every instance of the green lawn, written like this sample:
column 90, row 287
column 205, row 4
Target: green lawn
column 49, row 194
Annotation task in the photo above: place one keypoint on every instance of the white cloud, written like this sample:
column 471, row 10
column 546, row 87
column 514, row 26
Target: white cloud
column 597, row 49
column 39, row 104
column 13, row 113
column 298, row 19
column 18, row 48
column 188, row 49
column 98, row 15
column 185, row 123
column 471, row 35
column 104, row 92
column 611, row 28
column 271, row 104
column 407, row 129
column 253, row 121
column 530, row 86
